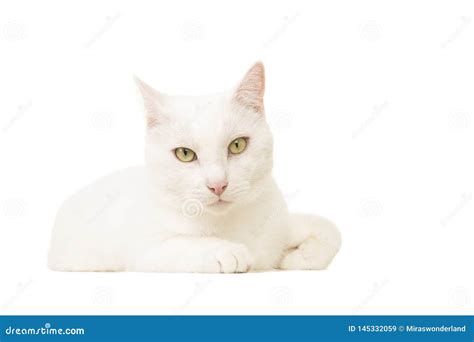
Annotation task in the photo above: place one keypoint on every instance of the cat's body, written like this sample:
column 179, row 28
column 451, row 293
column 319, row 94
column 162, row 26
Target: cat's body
column 220, row 211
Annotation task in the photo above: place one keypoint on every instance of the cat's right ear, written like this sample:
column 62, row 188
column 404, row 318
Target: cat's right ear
column 153, row 102
column 252, row 88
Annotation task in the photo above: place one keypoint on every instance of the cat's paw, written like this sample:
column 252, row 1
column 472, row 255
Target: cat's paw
column 315, row 253
column 232, row 258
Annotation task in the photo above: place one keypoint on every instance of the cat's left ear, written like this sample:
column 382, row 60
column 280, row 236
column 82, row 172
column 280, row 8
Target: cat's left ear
column 153, row 101
column 251, row 89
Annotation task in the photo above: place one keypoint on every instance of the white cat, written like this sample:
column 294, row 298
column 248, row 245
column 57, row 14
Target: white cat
column 205, row 202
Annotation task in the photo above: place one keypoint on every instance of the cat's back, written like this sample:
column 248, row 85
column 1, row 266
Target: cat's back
column 92, row 219
column 106, row 191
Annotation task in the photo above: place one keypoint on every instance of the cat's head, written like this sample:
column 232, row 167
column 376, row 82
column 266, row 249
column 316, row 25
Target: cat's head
column 215, row 151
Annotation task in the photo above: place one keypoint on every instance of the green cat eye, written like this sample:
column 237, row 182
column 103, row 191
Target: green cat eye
column 238, row 145
column 185, row 154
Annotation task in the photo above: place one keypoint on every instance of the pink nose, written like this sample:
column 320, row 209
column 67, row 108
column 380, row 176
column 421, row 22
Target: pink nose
column 217, row 188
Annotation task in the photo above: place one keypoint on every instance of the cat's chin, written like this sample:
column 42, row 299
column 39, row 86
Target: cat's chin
column 219, row 207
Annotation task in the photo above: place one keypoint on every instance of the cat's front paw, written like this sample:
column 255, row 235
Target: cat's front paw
column 232, row 258
column 315, row 253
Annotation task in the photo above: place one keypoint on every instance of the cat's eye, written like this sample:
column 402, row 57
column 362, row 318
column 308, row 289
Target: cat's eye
column 185, row 154
column 238, row 145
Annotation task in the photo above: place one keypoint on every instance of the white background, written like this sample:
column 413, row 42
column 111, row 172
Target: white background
column 371, row 105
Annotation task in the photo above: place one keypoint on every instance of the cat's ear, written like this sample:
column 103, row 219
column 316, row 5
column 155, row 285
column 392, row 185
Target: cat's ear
column 251, row 89
column 153, row 101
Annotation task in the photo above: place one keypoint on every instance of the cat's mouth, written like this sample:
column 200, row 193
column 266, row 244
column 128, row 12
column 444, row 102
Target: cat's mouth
column 219, row 203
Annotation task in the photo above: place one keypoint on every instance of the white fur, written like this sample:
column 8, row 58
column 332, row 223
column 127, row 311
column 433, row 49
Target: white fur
column 163, row 218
